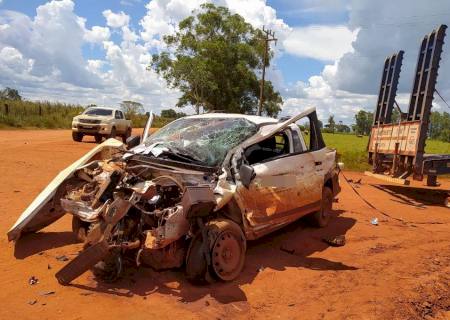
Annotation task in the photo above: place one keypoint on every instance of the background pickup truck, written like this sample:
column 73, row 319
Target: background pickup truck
column 101, row 122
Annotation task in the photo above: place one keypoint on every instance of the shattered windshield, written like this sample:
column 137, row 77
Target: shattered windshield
column 205, row 140
column 99, row 112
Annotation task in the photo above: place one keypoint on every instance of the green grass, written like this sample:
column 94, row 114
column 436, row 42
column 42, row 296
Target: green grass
column 52, row 115
column 352, row 150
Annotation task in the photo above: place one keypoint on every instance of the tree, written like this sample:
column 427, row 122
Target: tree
column 331, row 124
column 439, row 126
column 172, row 114
column 10, row 94
column 342, row 128
column 131, row 108
column 213, row 61
column 364, row 122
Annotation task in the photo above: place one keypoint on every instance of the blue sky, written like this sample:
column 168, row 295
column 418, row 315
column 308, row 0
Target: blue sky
column 329, row 54
column 292, row 67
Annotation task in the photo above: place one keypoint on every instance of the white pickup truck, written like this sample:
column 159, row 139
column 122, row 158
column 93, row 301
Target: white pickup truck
column 101, row 122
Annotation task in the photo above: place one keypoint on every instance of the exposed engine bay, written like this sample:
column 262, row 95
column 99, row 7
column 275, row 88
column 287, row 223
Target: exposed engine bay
column 140, row 212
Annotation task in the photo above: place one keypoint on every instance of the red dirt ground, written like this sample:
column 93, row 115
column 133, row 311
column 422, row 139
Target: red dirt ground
column 396, row 270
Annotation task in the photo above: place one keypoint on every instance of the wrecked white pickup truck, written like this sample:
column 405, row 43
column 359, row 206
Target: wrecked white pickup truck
column 191, row 194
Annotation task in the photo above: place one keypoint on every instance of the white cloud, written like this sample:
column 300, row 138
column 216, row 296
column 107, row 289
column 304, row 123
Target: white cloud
column 116, row 20
column 163, row 16
column 44, row 39
column 327, row 43
column 12, row 59
column 97, row 34
column 43, row 55
column 385, row 33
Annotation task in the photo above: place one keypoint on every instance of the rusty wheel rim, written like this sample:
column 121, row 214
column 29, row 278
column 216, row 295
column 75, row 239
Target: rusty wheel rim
column 227, row 256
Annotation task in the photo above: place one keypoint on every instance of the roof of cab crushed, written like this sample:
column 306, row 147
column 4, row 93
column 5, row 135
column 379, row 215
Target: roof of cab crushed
column 255, row 119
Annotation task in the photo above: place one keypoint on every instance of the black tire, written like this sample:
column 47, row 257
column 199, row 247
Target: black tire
column 196, row 268
column 321, row 218
column 98, row 138
column 109, row 269
column 126, row 135
column 79, row 228
column 77, row 136
column 227, row 247
column 113, row 133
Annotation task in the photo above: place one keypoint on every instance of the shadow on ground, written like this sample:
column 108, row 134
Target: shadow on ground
column 290, row 247
column 414, row 196
column 34, row 243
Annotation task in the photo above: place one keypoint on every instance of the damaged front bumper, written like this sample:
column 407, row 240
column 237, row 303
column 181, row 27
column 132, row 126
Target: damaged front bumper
column 46, row 207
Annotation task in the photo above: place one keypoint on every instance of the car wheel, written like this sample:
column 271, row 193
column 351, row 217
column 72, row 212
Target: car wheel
column 113, row 133
column 321, row 217
column 79, row 228
column 227, row 247
column 126, row 135
column 77, row 136
column 98, row 138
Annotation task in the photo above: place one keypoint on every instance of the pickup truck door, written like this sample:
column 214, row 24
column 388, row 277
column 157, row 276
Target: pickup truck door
column 121, row 123
column 287, row 186
column 284, row 188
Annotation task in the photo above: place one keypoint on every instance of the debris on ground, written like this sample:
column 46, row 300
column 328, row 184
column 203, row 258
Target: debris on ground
column 32, row 302
column 33, row 280
column 47, row 293
column 261, row 269
column 49, row 266
column 337, row 241
column 374, row 221
column 62, row 258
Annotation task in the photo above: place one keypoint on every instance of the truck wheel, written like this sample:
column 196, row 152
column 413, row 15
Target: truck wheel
column 77, row 136
column 113, row 133
column 321, row 217
column 98, row 138
column 227, row 247
column 126, row 135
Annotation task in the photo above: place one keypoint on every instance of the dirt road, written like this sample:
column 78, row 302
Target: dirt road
column 399, row 269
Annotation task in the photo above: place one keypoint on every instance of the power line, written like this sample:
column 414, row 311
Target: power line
column 442, row 98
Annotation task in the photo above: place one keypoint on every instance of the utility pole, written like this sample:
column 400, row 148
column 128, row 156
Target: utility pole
column 269, row 35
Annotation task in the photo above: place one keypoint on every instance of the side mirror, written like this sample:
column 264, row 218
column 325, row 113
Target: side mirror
column 133, row 141
column 247, row 174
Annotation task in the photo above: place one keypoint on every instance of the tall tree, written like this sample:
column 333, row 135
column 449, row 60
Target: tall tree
column 131, row 108
column 331, row 123
column 10, row 94
column 213, row 59
column 364, row 122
